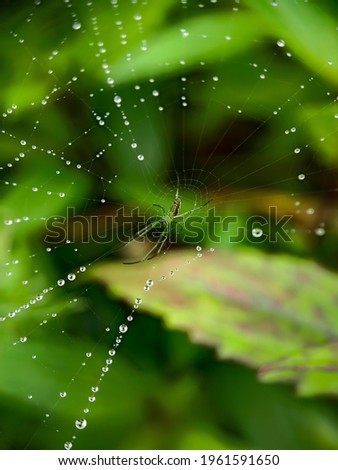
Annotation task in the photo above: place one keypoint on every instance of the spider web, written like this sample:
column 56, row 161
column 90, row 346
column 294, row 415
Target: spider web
column 103, row 110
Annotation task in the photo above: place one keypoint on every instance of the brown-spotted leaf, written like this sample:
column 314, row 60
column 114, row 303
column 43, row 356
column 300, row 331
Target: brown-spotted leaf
column 259, row 309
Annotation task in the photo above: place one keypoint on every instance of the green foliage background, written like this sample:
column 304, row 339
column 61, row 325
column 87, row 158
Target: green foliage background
column 185, row 376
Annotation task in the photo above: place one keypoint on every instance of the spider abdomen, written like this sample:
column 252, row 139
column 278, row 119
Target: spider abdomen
column 174, row 208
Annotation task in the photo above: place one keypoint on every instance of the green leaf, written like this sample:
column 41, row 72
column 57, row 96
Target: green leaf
column 316, row 366
column 194, row 48
column 250, row 307
column 307, row 29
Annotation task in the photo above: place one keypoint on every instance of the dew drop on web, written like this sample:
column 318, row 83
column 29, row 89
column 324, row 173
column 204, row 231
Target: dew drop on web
column 257, row 232
column 123, row 328
column 80, row 423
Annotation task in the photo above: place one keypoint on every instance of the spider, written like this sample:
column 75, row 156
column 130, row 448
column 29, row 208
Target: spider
column 164, row 224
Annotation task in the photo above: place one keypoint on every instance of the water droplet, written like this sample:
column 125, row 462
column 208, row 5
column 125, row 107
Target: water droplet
column 23, row 339
column 150, row 282
column 63, row 394
column 198, row 248
column 140, row 157
column 320, row 231
column 117, row 99
column 301, row 177
column 138, row 301
column 23, row 142
column 297, row 150
column 71, row 276
column 81, row 423
column 61, row 282
column 76, row 25
column 257, row 232
column 112, row 352
column 281, row 43
column 68, row 445
column 123, row 328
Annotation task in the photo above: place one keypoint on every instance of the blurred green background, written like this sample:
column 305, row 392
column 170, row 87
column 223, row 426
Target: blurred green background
column 234, row 349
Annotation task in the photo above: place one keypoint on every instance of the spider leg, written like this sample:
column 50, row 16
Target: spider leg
column 162, row 208
column 160, row 242
column 145, row 230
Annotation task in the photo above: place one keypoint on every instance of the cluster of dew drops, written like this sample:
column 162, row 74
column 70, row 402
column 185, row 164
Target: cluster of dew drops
column 81, row 423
